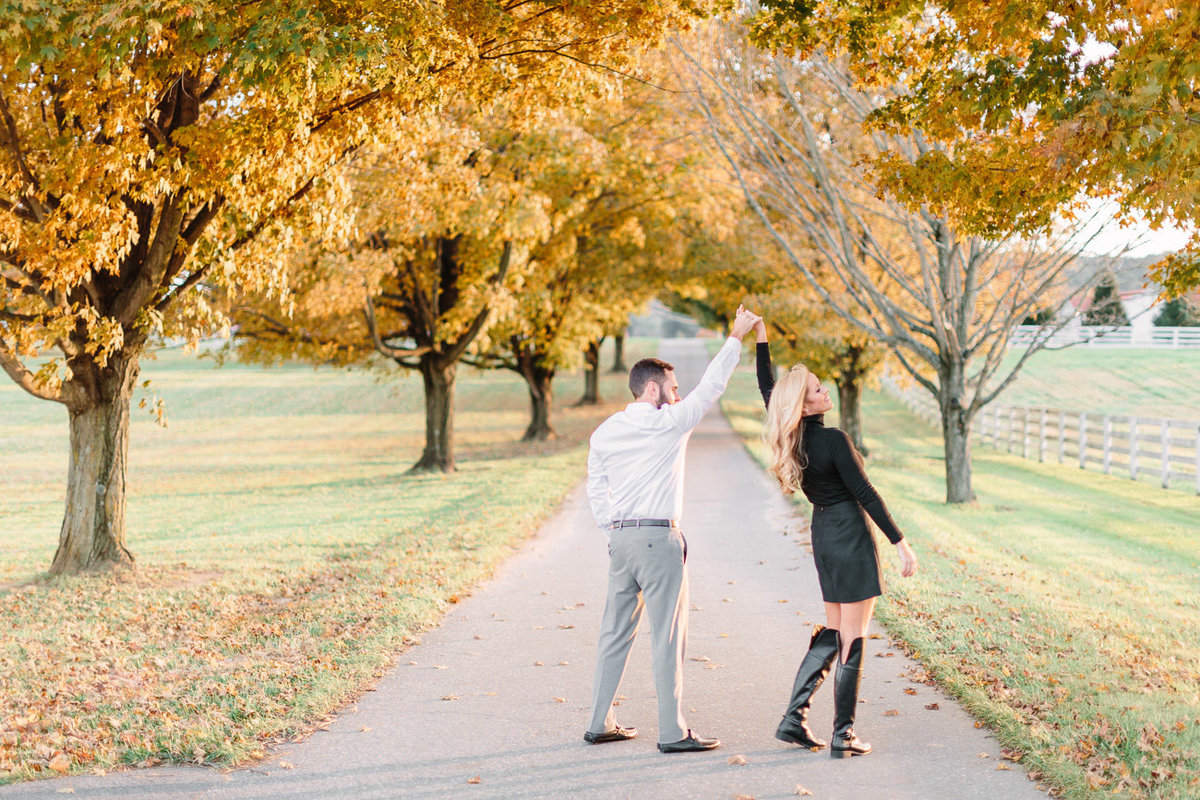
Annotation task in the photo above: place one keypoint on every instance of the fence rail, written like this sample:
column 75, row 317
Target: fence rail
column 1140, row 447
column 1096, row 336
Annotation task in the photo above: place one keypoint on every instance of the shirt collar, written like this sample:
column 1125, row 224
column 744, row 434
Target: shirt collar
column 815, row 419
column 642, row 407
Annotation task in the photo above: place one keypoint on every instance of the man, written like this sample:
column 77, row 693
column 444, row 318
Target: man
column 635, row 486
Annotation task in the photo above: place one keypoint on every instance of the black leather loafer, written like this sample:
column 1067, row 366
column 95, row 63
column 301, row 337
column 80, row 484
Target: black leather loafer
column 618, row 734
column 691, row 744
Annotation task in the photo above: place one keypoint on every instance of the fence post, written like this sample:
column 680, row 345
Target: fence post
column 1133, row 448
column 1025, row 432
column 1166, row 453
column 1042, row 437
column 1012, row 423
column 1107, row 444
column 1062, row 436
column 1198, row 459
column 1082, row 439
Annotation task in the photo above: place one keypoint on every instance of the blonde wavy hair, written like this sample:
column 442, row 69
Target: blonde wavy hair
column 784, row 434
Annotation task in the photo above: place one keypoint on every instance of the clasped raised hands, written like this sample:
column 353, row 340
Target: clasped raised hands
column 744, row 322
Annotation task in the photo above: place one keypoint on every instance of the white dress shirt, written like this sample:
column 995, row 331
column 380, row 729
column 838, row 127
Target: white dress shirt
column 635, row 464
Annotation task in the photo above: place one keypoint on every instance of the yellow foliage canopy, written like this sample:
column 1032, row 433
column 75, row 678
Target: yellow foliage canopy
column 149, row 148
column 1037, row 103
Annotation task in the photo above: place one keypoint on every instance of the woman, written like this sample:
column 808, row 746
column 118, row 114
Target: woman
column 823, row 463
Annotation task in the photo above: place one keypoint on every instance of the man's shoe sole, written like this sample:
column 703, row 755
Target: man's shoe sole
column 690, row 748
column 619, row 735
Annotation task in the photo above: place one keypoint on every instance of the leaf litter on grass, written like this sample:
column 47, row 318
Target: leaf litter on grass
column 288, row 603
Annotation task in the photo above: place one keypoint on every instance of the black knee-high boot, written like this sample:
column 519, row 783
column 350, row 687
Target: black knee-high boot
column 822, row 650
column 845, row 692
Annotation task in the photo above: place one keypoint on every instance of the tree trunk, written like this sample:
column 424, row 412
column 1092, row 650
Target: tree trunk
column 541, row 395
column 439, row 415
column 93, row 529
column 591, row 375
column 619, row 354
column 850, row 408
column 956, row 436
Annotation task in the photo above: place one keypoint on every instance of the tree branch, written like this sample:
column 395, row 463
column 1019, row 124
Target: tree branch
column 21, row 375
column 454, row 351
column 14, row 144
column 395, row 353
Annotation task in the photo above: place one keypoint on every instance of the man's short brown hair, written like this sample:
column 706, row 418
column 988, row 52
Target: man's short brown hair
column 645, row 371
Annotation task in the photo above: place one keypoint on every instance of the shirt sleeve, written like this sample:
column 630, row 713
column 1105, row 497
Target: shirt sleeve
column 687, row 413
column 597, row 489
column 766, row 374
column 849, row 466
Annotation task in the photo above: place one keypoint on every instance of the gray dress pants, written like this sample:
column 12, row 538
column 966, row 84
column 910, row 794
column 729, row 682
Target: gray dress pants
column 646, row 571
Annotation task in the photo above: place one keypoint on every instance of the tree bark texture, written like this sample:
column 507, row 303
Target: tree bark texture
column 93, row 529
column 591, row 375
column 541, row 396
column 439, row 378
column 850, row 409
column 619, row 354
column 956, row 434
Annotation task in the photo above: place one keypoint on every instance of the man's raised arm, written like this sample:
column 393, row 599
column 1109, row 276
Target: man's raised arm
column 687, row 413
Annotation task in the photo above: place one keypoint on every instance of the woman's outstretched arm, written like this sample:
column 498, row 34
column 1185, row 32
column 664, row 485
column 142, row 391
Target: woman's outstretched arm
column 762, row 352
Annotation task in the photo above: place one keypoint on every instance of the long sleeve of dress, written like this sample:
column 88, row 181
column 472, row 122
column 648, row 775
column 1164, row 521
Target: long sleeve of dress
column 766, row 374
column 850, row 468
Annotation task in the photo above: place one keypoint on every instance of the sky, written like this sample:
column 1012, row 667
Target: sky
column 1113, row 237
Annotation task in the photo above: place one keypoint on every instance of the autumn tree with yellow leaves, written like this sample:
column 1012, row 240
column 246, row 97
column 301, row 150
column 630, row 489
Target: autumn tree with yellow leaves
column 154, row 156
column 1057, row 101
column 943, row 301
column 443, row 230
column 629, row 200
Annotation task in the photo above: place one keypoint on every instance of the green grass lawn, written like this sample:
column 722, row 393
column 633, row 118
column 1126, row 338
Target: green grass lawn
column 1061, row 608
column 284, row 555
column 1149, row 383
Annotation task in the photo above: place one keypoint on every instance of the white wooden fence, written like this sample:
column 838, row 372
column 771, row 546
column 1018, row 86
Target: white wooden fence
column 1114, row 443
column 1123, row 336
column 1140, row 447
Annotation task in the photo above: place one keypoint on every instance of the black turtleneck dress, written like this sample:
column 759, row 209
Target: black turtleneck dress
column 833, row 480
